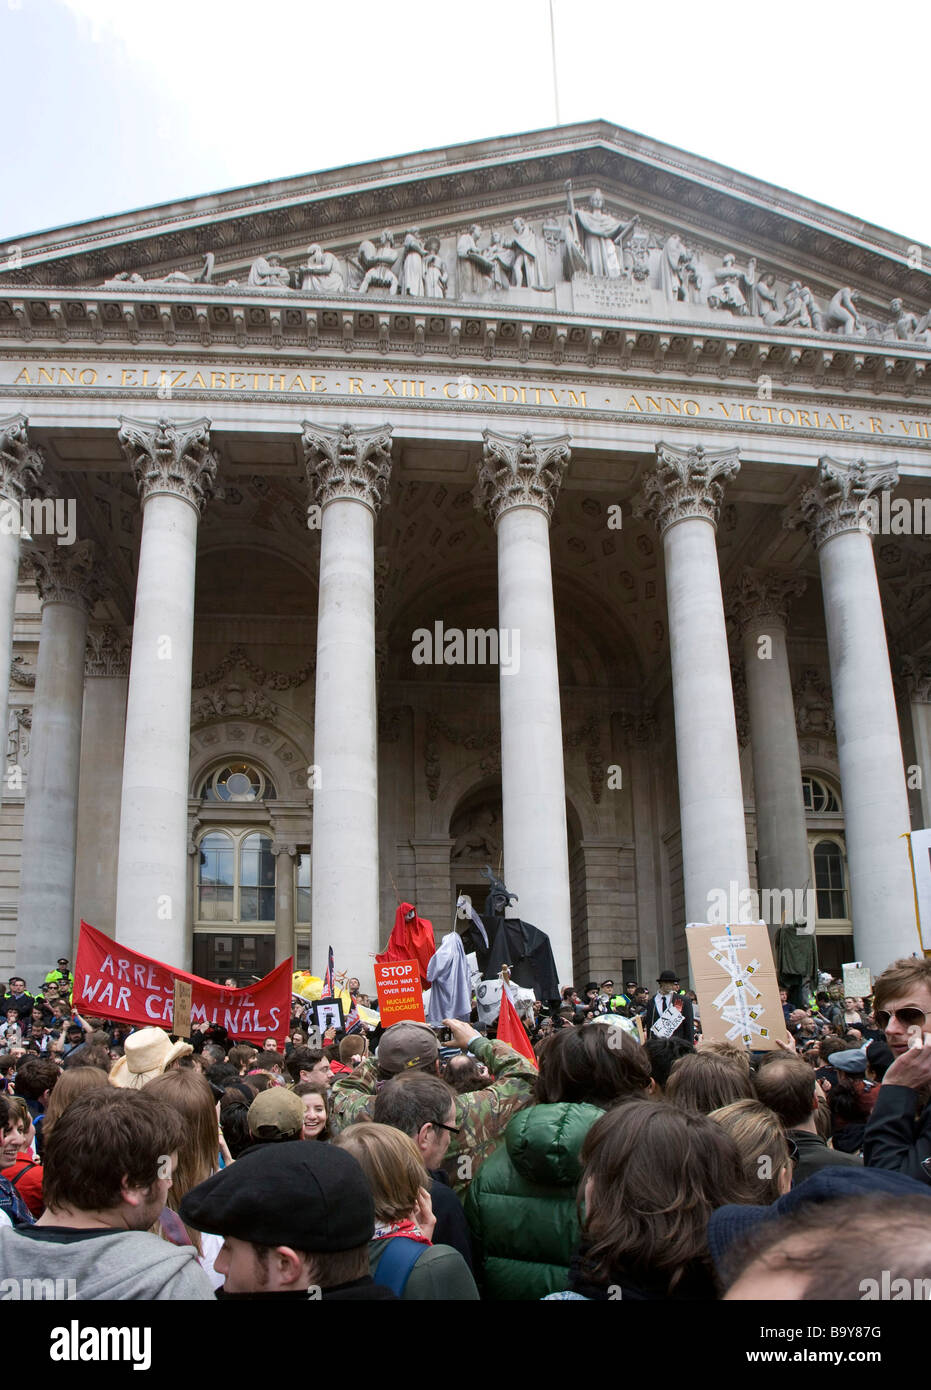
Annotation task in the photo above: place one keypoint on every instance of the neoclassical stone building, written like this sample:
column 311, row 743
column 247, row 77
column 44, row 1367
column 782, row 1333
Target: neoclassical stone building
column 557, row 502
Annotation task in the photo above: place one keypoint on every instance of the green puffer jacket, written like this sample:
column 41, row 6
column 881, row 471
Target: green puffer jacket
column 522, row 1203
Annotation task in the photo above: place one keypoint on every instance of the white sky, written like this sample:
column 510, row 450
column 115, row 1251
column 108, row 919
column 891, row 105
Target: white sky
column 117, row 104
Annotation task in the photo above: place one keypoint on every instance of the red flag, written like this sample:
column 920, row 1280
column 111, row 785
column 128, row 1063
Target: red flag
column 511, row 1030
column 409, row 940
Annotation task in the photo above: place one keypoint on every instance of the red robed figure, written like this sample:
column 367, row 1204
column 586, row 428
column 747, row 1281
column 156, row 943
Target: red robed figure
column 411, row 939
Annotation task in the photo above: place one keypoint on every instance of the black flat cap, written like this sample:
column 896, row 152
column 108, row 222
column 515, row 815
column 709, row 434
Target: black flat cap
column 309, row 1196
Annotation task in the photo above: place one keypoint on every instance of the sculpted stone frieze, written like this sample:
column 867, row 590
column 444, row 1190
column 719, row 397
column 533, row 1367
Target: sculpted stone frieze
column 67, row 574
column 588, row 259
column 21, row 464
column 239, row 659
column 814, row 705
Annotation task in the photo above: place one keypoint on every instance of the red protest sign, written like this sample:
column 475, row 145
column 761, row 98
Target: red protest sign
column 111, row 981
column 400, row 994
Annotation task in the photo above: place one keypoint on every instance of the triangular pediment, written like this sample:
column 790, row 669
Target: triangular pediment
column 598, row 261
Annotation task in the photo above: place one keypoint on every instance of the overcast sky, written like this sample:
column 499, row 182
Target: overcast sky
column 117, row 104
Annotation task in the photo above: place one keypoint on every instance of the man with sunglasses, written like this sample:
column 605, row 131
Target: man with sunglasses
column 898, row 1132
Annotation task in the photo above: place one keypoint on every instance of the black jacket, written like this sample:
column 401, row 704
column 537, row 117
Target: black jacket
column 452, row 1228
column 813, row 1154
column 894, row 1139
column 686, row 1029
column 22, row 1003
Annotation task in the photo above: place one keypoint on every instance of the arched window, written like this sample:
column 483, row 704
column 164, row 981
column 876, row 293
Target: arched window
column 238, row 782
column 236, row 887
column 256, row 880
column 820, row 799
column 215, row 883
column 830, row 887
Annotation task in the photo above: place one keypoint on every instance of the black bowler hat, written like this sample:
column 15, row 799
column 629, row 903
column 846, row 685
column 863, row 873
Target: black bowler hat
column 668, row 977
column 254, row 1199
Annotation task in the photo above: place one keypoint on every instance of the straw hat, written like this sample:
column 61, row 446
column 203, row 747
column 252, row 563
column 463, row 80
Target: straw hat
column 146, row 1054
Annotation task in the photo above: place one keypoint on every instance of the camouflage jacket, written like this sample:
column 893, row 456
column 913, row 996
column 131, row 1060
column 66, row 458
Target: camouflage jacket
column 481, row 1116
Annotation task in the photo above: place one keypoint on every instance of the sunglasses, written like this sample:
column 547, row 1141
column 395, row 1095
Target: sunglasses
column 909, row 1017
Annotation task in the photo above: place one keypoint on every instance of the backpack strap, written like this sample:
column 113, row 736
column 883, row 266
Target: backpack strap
column 397, row 1263
column 24, row 1169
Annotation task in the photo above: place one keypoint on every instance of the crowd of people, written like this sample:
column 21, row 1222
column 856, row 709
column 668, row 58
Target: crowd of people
column 626, row 1158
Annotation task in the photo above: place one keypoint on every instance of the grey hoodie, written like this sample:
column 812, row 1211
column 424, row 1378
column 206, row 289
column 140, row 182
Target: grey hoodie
column 103, row 1264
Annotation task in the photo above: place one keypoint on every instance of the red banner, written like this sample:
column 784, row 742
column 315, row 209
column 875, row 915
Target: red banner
column 111, row 981
column 400, row 995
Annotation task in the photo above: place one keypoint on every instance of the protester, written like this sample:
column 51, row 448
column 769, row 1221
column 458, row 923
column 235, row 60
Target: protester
column 790, row 1089
column 897, row 1136
column 276, row 1116
column 424, row 1108
column 146, row 1055
column 35, row 1080
column 652, row 1176
column 850, row 1100
column 274, row 1246
column 481, row 1116
column 416, row 1269
column 668, row 996
column 234, row 1107
column 13, row 1210
column 846, row 1233
column 313, row 1097
column 17, row 1164
column 17, row 998
column 465, row 1073
column 522, row 1203
column 663, row 1053
column 765, row 1150
column 704, row 1082
column 108, row 1166
column 308, row 1064
column 71, row 1084
column 190, row 1096
column 242, row 1057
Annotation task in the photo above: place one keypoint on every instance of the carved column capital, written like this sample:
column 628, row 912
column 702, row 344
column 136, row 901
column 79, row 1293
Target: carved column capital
column 21, row 464
column 289, row 850
column 66, row 574
column 347, row 464
column 106, row 653
column 765, row 595
column 685, row 483
column 520, row 470
column 170, row 458
column 916, row 677
column 844, row 498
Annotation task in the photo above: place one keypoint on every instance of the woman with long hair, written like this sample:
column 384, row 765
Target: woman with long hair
column 653, row 1174
column 414, row 1268
column 190, row 1095
column 71, row 1084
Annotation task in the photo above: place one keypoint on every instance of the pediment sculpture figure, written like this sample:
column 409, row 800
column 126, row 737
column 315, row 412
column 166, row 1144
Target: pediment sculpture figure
column 377, row 263
column 600, row 236
column 908, row 327
column 800, row 309
column 523, row 264
column 679, row 276
column 766, row 300
column 733, row 286
column 267, row 272
column 409, row 269
column 320, row 273
column 435, row 274
column 476, row 270
column 174, row 277
column 841, row 315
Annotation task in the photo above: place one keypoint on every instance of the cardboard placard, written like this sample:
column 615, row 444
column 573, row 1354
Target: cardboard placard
column 400, row 995
column 735, row 980
column 181, row 1011
column 858, row 982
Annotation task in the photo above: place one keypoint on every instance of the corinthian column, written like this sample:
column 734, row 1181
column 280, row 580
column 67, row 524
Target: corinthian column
column 20, row 468
column 682, row 497
column 174, row 471
column 106, row 671
column 761, row 609
column 348, row 471
column 837, row 511
column 65, row 580
column 518, row 483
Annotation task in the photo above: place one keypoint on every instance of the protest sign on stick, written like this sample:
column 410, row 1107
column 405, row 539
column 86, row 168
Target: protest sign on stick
column 400, row 995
